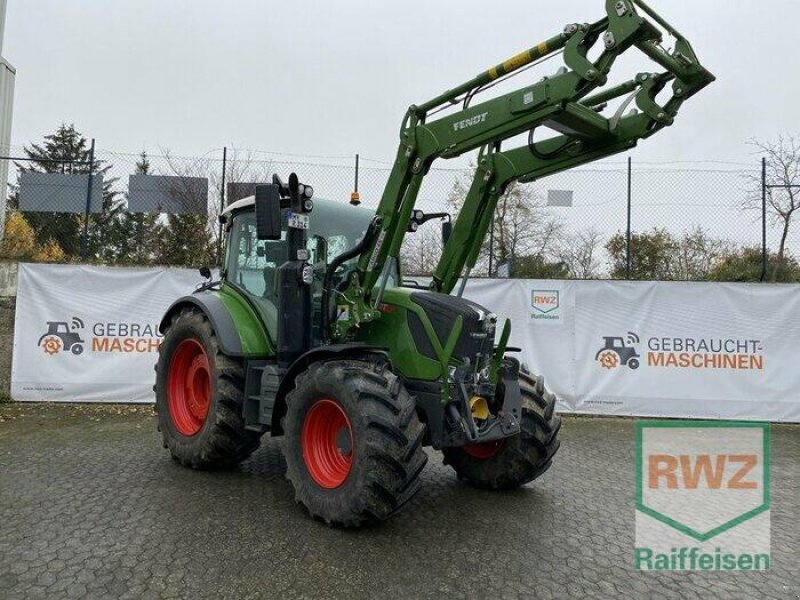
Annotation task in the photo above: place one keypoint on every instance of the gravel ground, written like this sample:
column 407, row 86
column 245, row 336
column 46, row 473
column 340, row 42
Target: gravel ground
column 92, row 506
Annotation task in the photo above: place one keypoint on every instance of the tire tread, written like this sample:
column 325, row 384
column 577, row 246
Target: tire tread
column 394, row 457
column 227, row 442
column 532, row 452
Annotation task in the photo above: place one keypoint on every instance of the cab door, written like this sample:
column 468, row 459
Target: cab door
column 252, row 266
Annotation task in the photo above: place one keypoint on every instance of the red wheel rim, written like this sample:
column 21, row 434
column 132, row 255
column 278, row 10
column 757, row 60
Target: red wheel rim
column 327, row 443
column 189, row 387
column 486, row 450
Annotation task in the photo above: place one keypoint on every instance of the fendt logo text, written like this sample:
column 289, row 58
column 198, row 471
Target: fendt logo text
column 62, row 337
column 702, row 496
column 471, row 122
column 680, row 353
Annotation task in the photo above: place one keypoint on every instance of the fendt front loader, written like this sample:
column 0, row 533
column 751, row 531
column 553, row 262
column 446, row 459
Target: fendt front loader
column 312, row 333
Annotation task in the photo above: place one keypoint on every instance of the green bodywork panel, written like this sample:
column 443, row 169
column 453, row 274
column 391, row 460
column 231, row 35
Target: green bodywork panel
column 250, row 325
column 391, row 331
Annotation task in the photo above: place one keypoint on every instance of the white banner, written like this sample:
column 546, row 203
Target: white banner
column 90, row 334
column 696, row 350
column 703, row 350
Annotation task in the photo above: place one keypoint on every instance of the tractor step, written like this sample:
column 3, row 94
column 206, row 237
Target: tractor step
column 261, row 388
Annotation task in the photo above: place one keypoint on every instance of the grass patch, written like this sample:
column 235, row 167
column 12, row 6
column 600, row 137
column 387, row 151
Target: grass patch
column 5, row 398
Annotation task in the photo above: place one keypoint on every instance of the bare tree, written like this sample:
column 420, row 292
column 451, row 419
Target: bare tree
column 522, row 225
column 580, row 253
column 242, row 172
column 783, row 201
column 421, row 251
column 698, row 254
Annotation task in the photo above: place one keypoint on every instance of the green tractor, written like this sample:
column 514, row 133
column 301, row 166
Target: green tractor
column 313, row 334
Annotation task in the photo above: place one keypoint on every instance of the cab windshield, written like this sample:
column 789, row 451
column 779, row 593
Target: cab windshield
column 253, row 264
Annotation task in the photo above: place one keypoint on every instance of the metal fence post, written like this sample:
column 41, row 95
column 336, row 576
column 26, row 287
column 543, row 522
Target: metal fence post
column 85, row 240
column 222, row 203
column 628, row 257
column 764, row 250
column 355, row 189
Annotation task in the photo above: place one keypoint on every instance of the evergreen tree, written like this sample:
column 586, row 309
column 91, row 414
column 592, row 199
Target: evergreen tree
column 188, row 239
column 187, row 242
column 71, row 153
column 135, row 238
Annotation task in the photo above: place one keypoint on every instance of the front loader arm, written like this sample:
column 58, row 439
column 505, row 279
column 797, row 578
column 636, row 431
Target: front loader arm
column 496, row 170
column 563, row 102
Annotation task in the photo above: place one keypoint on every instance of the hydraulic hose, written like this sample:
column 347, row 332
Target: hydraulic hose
column 331, row 271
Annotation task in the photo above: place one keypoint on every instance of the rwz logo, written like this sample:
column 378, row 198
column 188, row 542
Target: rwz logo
column 687, row 471
column 545, row 301
column 62, row 336
column 702, row 496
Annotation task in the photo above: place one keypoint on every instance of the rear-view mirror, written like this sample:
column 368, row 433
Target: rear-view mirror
column 268, row 212
column 447, row 229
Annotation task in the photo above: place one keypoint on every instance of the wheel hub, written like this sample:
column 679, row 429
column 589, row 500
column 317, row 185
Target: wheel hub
column 189, row 387
column 327, row 443
column 486, row 450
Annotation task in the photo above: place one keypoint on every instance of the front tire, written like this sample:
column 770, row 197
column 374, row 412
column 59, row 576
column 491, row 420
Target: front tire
column 199, row 397
column 515, row 461
column 353, row 442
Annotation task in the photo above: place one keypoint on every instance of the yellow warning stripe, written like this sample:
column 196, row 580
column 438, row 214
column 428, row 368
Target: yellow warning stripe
column 517, row 61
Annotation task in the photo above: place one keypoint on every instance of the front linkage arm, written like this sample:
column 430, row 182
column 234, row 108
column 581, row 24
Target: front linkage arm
column 562, row 102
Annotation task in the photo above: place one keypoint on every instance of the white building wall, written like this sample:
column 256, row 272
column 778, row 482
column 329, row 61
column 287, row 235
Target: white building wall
column 2, row 23
column 7, row 75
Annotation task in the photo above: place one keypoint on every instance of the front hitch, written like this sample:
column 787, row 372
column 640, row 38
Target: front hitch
column 463, row 428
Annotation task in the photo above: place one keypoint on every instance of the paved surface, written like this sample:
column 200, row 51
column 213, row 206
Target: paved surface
column 91, row 505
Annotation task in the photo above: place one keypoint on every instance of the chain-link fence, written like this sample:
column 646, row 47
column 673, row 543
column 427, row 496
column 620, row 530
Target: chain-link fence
column 615, row 219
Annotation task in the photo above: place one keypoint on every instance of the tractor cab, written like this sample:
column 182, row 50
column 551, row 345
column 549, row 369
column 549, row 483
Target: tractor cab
column 252, row 264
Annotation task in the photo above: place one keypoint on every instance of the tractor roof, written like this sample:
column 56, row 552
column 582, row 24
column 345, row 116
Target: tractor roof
column 250, row 201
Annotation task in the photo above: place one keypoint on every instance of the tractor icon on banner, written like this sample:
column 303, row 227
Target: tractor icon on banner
column 61, row 337
column 618, row 352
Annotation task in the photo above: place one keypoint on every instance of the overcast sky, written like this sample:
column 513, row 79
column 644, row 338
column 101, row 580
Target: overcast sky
column 333, row 78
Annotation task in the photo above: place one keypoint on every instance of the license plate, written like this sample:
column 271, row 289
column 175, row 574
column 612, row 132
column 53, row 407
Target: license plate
column 297, row 221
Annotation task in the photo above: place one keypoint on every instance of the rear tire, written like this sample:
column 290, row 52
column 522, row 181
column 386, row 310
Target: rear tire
column 353, row 442
column 518, row 460
column 199, row 397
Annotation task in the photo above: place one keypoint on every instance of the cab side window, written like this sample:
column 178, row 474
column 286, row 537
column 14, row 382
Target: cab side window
column 253, row 263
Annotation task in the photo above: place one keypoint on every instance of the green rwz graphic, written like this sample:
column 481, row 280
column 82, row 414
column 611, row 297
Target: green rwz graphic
column 702, row 495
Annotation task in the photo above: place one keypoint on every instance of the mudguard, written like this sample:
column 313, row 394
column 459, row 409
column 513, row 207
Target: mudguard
column 239, row 330
column 323, row 353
